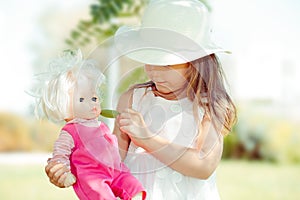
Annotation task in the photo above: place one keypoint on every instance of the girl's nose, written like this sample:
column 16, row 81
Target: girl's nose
column 154, row 73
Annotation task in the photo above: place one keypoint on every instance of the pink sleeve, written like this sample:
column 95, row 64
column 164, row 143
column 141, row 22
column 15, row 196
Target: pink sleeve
column 62, row 148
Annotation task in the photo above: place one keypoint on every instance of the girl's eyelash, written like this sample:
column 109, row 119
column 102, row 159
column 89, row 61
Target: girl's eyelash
column 81, row 99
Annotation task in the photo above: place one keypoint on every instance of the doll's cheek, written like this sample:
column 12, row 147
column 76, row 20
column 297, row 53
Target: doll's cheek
column 70, row 109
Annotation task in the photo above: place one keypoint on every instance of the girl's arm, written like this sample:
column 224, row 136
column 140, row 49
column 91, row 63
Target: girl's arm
column 187, row 161
column 125, row 101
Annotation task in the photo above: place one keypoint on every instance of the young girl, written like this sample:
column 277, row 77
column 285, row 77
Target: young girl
column 170, row 130
column 85, row 144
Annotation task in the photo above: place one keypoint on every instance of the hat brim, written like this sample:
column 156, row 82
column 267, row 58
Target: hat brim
column 157, row 46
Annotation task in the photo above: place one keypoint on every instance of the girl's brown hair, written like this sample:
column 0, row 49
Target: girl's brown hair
column 206, row 88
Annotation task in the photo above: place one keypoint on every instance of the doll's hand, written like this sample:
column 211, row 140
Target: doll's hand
column 57, row 173
column 132, row 123
column 70, row 180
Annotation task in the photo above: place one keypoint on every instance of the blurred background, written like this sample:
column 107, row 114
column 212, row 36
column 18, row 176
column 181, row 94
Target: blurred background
column 261, row 156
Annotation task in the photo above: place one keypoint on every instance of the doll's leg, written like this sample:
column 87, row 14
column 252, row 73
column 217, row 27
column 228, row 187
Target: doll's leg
column 126, row 186
column 139, row 196
column 93, row 187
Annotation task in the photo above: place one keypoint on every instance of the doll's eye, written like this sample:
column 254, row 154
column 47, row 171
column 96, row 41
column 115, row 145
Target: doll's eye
column 94, row 99
column 81, row 99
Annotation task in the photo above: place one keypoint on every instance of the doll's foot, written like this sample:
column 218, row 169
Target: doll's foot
column 139, row 196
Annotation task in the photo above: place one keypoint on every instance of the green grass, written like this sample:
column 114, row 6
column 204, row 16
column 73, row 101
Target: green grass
column 258, row 181
column 29, row 182
column 236, row 180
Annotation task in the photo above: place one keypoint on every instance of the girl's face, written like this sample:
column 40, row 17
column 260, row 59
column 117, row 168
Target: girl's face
column 85, row 103
column 168, row 78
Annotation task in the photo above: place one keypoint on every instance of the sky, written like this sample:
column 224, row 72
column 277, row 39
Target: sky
column 262, row 35
column 263, row 38
column 19, row 22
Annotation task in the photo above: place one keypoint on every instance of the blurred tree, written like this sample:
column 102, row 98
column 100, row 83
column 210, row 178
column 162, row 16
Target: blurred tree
column 14, row 133
column 21, row 134
column 106, row 17
column 43, row 133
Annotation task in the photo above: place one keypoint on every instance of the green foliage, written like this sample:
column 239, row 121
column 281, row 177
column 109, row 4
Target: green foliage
column 106, row 17
column 282, row 142
column 230, row 144
column 260, row 135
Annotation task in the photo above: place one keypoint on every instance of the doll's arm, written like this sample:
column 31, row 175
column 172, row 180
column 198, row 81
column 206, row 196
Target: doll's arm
column 62, row 148
column 61, row 153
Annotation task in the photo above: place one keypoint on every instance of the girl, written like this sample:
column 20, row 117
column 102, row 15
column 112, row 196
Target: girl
column 85, row 144
column 170, row 130
column 172, row 137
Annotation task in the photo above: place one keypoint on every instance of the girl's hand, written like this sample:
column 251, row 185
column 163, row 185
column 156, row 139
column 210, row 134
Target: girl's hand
column 57, row 173
column 132, row 123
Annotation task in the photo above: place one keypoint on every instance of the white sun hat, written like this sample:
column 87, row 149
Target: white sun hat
column 171, row 32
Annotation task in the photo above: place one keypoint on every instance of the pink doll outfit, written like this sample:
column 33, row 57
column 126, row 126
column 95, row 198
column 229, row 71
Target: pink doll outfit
column 96, row 163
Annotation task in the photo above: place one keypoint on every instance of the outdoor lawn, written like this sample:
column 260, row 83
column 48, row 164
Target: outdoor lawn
column 237, row 180
column 242, row 180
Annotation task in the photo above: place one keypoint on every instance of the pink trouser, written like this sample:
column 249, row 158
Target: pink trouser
column 100, row 185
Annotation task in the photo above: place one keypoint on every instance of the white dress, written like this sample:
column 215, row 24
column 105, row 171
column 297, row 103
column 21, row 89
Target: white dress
column 173, row 120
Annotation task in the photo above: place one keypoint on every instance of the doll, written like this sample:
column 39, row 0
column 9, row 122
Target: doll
column 86, row 145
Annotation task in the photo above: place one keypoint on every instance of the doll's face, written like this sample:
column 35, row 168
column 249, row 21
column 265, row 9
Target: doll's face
column 85, row 102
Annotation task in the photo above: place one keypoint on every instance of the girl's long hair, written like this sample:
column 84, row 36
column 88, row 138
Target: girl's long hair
column 207, row 81
column 206, row 89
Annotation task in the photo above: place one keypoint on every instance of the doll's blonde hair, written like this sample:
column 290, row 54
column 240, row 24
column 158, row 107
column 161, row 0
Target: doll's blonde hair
column 54, row 96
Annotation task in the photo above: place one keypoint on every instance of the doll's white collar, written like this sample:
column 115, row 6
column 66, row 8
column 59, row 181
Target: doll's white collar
column 86, row 122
